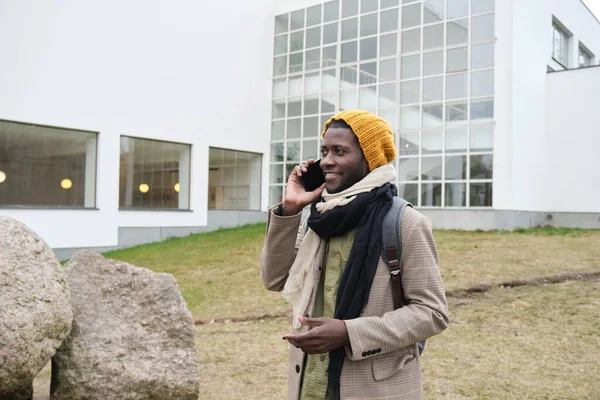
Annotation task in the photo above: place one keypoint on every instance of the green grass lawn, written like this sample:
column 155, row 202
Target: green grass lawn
column 218, row 272
column 537, row 341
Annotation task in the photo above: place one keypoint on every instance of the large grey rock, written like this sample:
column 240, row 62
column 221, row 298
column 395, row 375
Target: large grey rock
column 35, row 309
column 132, row 337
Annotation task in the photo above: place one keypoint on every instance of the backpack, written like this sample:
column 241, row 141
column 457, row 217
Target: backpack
column 392, row 252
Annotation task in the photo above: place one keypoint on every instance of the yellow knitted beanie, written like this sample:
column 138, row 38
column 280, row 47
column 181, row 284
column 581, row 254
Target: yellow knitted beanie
column 374, row 135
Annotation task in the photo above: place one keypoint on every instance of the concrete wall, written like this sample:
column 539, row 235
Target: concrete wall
column 183, row 71
column 522, row 138
column 572, row 177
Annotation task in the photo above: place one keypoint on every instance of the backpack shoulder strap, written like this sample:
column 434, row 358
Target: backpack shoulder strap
column 392, row 247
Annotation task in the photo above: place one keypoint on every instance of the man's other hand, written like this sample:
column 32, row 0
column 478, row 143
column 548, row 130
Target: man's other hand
column 326, row 334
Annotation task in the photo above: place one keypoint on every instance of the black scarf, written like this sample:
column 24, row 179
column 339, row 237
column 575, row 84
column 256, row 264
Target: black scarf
column 365, row 213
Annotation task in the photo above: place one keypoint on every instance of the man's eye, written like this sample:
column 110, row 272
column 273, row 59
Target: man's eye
column 323, row 153
column 339, row 151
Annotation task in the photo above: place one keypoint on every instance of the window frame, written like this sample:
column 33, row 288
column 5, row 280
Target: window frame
column 565, row 35
column 59, row 207
column 157, row 209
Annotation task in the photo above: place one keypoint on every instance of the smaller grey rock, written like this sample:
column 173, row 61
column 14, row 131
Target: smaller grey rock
column 132, row 337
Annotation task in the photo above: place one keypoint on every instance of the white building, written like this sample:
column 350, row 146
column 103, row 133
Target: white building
column 128, row 122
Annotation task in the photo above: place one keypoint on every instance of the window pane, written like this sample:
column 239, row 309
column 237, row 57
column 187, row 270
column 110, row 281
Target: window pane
column 330, row 33
column 387, row 95
column 367, row 98
column 296, row 62
column 433, row 89
column 281, row 23
column 433, row 11
column 310, row 149
column 410, row 67
column 313, row 37
column 482, row 56
column 281, row 44
column 276, row 173
column 457, row 60
column 312, row 59
column 411, row 40
column 387, row 70
column 482, row 28
column 293, row 128
column 329, row 80
column 350, row 29
column 279, row 88
column 482, row 138
column 311, row 127
column 368, row 73
column 433, row 115
column 278, row 110
column 295, row 85
column 456, row 86
column 456, row 111
column 276, row 152
column 154, row 174
column 457, row 140
column 47, row 166
column 279, row 65
column 409, row 192
column 389, row 20
column 408, row 169
column 331, row 11
column 368, row 48
column 456, row 167
column 294, row 107
column 388, row 45
column 328, row 102
column 410, row 92
column 482, row 109
column 409, row 143
column 368, row 6
column 482, row 166
column 296, row 41
column 311, row 104
column 313, row 15
column 481, row 194
column 312, row 82
column 293, row 151
column 433, row 63
column 349, row 8
column 431, row 194
column 410, row 117
column 458, row 8
column 278, row 130
column 433, row 36
column 431, row 168
column 482, row 6
column 329, row 56
column 411, row 16
column 349, row 76
column 349, row 52
column 368, row 25
column 389, row 3
column 433, row 141
column 348, row 99
column 275, row 195
column 297, row 21
column 457, row 32
column 456, row 195
column 482, row 83
column 389, row 115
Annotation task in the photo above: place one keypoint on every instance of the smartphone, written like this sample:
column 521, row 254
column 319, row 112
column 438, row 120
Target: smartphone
column 313, row 178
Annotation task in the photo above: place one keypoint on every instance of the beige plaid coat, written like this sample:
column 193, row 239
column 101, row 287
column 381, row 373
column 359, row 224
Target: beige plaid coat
column 382, row 360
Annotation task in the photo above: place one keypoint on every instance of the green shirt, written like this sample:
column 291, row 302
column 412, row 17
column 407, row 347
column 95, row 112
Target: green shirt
column 314, row 384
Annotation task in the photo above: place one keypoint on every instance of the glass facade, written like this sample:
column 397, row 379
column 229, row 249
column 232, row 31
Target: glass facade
column 426, row 67
column 234, row 180
column 42, row 166
column 154, row 174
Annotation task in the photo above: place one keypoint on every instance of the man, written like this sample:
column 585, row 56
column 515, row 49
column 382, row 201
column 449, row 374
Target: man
column 348, row 341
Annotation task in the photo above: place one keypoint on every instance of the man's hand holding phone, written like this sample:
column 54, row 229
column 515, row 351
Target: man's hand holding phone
column 296, row 195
